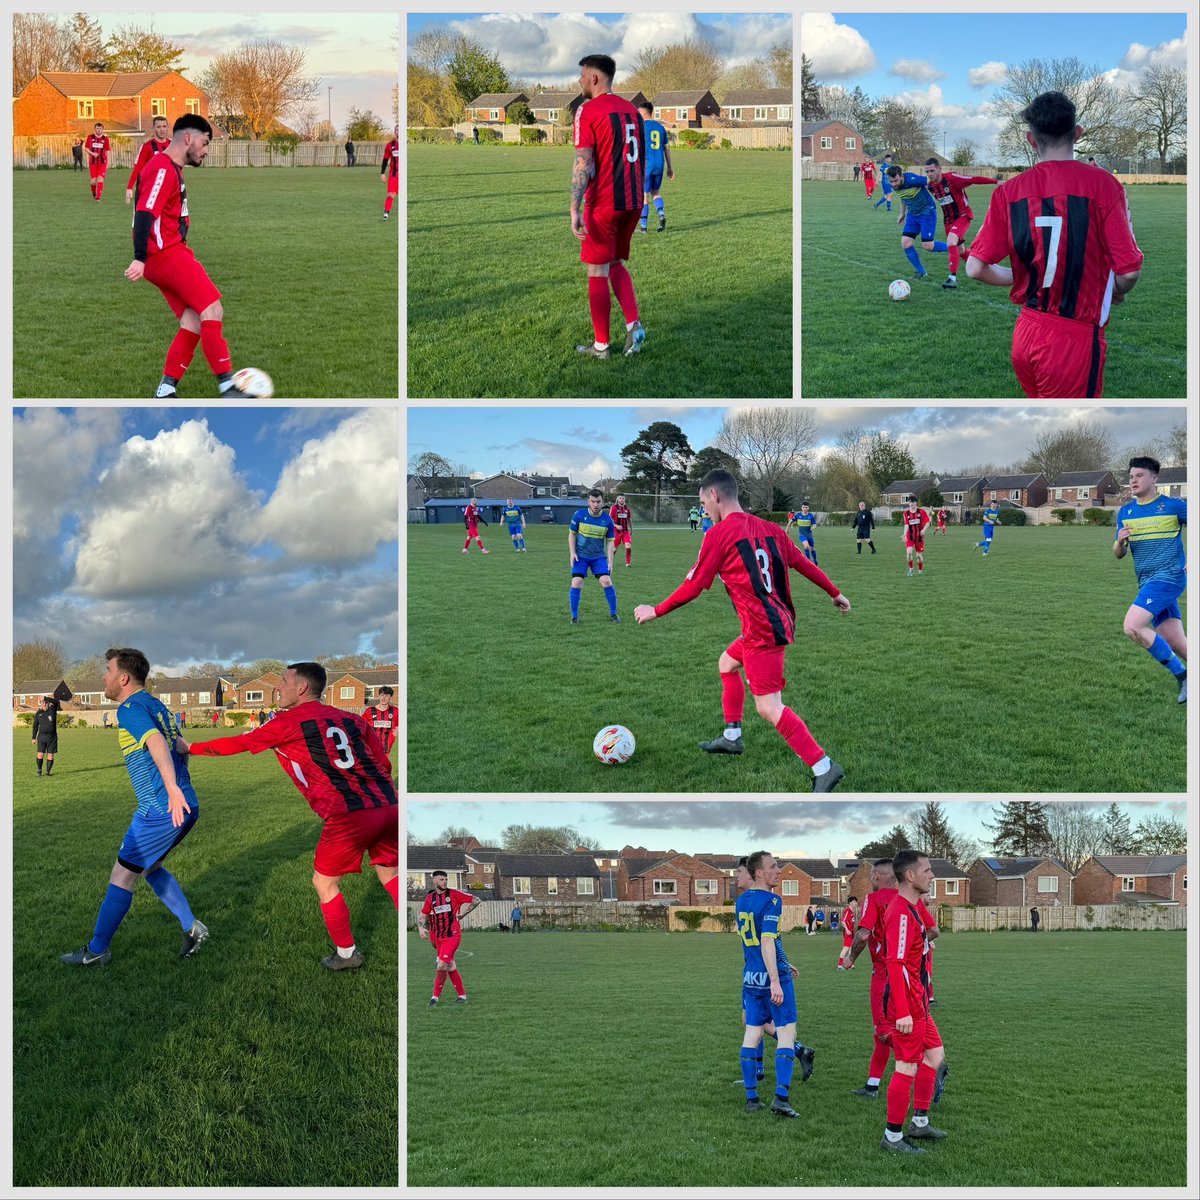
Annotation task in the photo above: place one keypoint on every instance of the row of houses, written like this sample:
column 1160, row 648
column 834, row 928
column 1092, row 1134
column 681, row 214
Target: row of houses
column 742, row 108
column 350, row 690
column 546, row 499
column 637, row 874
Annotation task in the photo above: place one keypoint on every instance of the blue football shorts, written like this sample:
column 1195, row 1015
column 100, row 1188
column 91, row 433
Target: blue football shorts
column 654, row 180
column 760, row 1010
column 513, row 530
column 988, row 530
column 922, row 227
column 1161, row 600
column 598, row 567
column 150, row 838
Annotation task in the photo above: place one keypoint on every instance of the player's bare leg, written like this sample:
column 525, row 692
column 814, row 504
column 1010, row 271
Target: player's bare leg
column 390, row 878
column 336, row 916
column 826, row 773
column 1166, row 644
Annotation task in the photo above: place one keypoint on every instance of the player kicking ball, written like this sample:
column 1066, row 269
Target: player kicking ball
column 162, row 256
column 753, row 558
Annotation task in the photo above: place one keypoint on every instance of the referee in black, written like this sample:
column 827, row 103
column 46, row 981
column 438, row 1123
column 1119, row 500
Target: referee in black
column 864, row 522
column 45, row 733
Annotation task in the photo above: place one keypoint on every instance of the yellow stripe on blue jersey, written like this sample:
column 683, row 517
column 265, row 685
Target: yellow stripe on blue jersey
column 587, row 529
column 1156, row 539
column 138, row 719
column 1141, row 528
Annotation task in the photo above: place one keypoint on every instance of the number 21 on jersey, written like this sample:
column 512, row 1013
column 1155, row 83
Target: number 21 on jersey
column 746, row 930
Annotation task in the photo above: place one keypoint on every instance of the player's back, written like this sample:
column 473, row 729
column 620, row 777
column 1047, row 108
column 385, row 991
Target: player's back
column 656, row 143
column 613, row 128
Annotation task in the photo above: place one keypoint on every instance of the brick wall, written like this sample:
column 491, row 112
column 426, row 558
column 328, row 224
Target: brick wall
column 685, row 871
column 42, row 109
column 567, row 889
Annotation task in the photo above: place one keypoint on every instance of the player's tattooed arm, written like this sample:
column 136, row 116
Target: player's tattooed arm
column 580, row 175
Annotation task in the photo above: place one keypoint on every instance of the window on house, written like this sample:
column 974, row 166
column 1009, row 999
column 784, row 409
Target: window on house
column 192, row 106
column 543, row 491
column 1058, row 493
column 254, row 697
column 552, row 887
column 825, row 887
column 951, row 887
column 1128, row 883
column 681, row 114
column 585, row 887
column 706, row 887
column 165, row 697
column 521, row 886
column 416, row 881
column 785, row 113
column 956, row 498
column 158, row 108
column 993, row 496
column 85, row 108
column 734, row 114
column 933, row 890
column 827, row 143
column 791, row 887
column 1015, row 495
column 1047, row 883
column 346, row 693
column 664, row 887
column 1084, row 494
column 494, row 115
column 851, row 143
column 204, row 698
column 760, row 113
column 487, row 868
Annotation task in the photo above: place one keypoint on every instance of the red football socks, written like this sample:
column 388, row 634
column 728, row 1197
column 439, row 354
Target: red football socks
column 337, row 920
column 216, row 349
column 795, row 733
column 879, row 1059
column 393, row 889
column 92, row 188
column 923, row 1092
column 439, row 982
column 387, row 204
column 100, row 189
column 456, row 979
column 953, row 252
column 628, row 556
column 733, row 695
column 600, row 302
column 179, row 356
column 622, row 286
column 898, row 1095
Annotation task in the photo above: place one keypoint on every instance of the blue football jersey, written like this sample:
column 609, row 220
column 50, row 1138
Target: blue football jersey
column 1156, row 538
column 591, row 532
column 137, row 718
column 513, row 515
column 991, row 516
column 914, row 191
column 656, row 143
column 758, row 912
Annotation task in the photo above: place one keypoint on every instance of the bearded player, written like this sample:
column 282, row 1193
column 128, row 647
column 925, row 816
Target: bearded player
column 622, row 519
column 97, row 147
column 339, row 765
column 948, row 189
column 753, row 558
column 915, row 521
column 150, row 147
column 390, row 172
column 440, row 923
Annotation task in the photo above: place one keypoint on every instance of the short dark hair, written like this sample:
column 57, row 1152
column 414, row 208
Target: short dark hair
column 647, row 106
column 386, row 691
column 932, row 161
column 887, row 155
column 849, row 898
column 191, row 121
column 905, row 861
column 884, row 862
column 595, row 492
column 132, row 662
column 743, row 860
column 1050, row 117
column 158, row 117
column 313, row 674
column 895, row 170
column 601, row 63
column 754, row 861
column 722, row 482
column 437, row 873
column 1145, row 463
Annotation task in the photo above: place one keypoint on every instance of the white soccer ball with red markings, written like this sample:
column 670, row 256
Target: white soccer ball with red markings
column 614, row 744
column 250, row 381
column 898, row 289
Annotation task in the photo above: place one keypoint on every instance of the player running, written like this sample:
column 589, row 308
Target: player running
column 162, row 256
column 915, row 521
column 514, row 518
column 1065, row 229
column 1150, row 527
column 471, row 518
column 991, row 518
column 157, row 144
column 849, row 924
column 610, row 155
column 948, row 189
column 864, row 524
column 591, row 543
column 439, row 921
column 389, row 172
column 622, row 519
column 340, row 767
column 384, row 718
column 868, row 175
column 918, row 214
column 658, row 153
column 804, row 520
column 97, row 147
column 167, row 809
column 941, row 521
column 768, row 990
column 752, row 557
column 915, row 1040
column 885, row 164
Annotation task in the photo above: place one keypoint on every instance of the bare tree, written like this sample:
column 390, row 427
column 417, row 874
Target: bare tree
column 1085, row 446
column 1176, row 446
column 432, row 465
column 853, row 445
column 433, row 48
column 1160, row 108
column 770, row 443
column 906, row 130
column 690, row 65
column 755, row 73
column 42, row 658
column 262, row 82
column 1076, row 833
column 780, row 59
column 40, row 43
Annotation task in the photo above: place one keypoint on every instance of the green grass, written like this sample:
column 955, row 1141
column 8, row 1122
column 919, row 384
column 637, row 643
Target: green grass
column 1005, row 674
column 497, row 297
column 247, row 1065
column 306, row 267
column 958, row 344
column 619, row 1066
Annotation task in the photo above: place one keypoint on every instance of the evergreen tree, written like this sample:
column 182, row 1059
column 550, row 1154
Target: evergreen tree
column 659, row 455
column 1116, row 835
column 888, row 846
column 810, row 100
column 1020, row 829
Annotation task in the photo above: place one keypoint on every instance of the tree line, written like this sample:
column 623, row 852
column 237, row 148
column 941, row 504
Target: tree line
column 1120, row 124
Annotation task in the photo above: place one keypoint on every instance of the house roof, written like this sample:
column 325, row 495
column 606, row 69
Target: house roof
column 959, row 483
column 639, row 866
column 182, row 683
column 1080, row 478
column 943, row 868
column 725, row 862
column 497, row 99
column 92, row 84
column 1173, row 475
column 679, row 99
column 907, row 485
column 38, row 687
column 814, row 868
column 1141, row 864
column 1013, row 481
column 483, row 854
column 1004, row 868
column 809, row 127
column 545, row 865
column 554, row 99
column 369, row 676
column 759, row 97
column 434, row 858
column 438, row 482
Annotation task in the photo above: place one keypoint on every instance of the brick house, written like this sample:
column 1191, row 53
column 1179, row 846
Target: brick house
column 513, row 486
column 951, row 884
column 804, row 881
column 1083, row 488
column 480, row 865
column 685, row 110
column 255, row 693
column 1021, row 882
column 1172, row 481
column 675, row 878
column 900, row 491
column 444, row 486
column 27, row 694
column 184, row 693
column 1028, row 491
column 546, row 877
column 420, row 862
column 69, row 103
column 1132, row 879
column 831, row 142
column 354, row 690
column 608, row 862
column 416, row 496
column 727, row 864
column 492, row 107
column 758, row 106
column 555, row 108
column 962, row 490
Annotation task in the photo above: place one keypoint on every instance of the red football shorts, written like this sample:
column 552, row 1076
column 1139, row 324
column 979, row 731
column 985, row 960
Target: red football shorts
column 847, row 940
column 623, row 538
column 183, row 282
column 446, row 947
column 346, row 836
column 96, row 168
column 763, row 666
column 393, row 183
column 1057, row 358
column 911, row 1047
column 917, row 544
column 959, row 227
column 608, row 234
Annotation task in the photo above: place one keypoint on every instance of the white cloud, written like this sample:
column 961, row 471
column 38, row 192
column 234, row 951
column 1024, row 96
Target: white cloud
column 916, row 69
column 1165, row 54
column 987, row 74
column 336, row 501
column 1126, row 81
column 583, row 465
column 835, row 51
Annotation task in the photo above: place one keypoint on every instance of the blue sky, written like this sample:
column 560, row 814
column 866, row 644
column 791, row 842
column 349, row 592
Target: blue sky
column 812, row 829
column 207, row 534
column 547, row 47
column 586, row 442
column 956, row 71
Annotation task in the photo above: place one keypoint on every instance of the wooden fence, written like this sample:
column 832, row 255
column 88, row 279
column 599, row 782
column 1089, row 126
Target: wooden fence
column 566, row 914
column 765, row 138
column 30, row 153
column 985, row 919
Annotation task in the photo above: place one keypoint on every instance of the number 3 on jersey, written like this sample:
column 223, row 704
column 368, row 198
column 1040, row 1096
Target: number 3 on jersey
column 764, row 569
column 345, row 758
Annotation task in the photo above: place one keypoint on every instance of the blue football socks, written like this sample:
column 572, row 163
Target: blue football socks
column 940, row 247
column 610, row 594
column 112, row 912
column 645, row 214
column 575, row 594
column 166, row 887
column 1163, row 653
column 785, row 1061
column 914, row 258
column 659, row 205
column 750, row 1072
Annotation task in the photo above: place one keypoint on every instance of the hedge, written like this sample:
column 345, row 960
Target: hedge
column 530, row 137
column 695, row 139
column 431, row 135
column 1099, row 516
column 1065, row 516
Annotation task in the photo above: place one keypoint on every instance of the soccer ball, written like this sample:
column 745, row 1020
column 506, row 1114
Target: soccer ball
column 614, row 744
column 899, row 290
column 253, row 382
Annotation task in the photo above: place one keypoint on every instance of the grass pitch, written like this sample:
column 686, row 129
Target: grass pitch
column 247, row 1065
column 613, row 1080
column 958, row 344
column 497, row 297
column 996, row 675
column 306, row 266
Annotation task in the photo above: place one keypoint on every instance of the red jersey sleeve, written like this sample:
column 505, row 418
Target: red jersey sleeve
column 427, row 907
column 142, row 159
column 585, row 132
column 796, row 560
column 266, row 737
column 1118, row 234
column 990, row 244
column 699, row 579
column 460, row 900
column 158, row 185
column 966, row 180
column 924, row 519
column 926, row 916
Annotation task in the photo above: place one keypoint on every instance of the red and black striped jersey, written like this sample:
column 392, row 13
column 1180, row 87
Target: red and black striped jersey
column 614, row 131
column 622, row 517
column 949, row 194
column 914, row 524
column 391, row 159
column 1066, row 231
column 98, row 148
column 442, row 909
column 334, row 757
